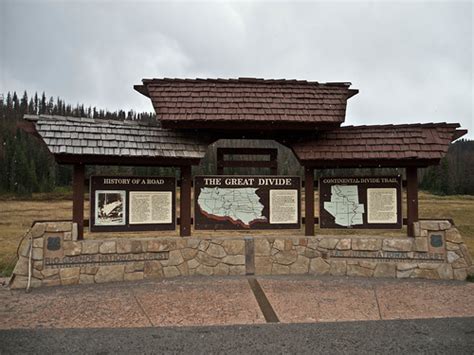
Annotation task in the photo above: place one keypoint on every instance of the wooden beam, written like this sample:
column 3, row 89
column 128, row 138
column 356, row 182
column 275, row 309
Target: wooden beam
column 412, row 199
column 78, row 198
column 309, row 200
column 185, row 202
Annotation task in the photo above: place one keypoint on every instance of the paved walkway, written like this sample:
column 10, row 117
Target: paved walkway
column 233, row 300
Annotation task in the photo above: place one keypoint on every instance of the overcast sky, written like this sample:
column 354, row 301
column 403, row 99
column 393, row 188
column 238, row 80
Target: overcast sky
column 411, row 61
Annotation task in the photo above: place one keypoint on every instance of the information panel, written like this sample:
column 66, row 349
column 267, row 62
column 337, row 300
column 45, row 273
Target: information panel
column 360, row 202
column 131, row 203
column 247, row 202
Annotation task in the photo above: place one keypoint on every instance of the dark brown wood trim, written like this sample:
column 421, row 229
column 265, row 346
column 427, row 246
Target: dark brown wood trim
column 309, row 201
column 185, row 202
column 412, row 199
column 78, row 198
column 247, row 164
column 370, row 163
column 123, row 160
column 233, row 125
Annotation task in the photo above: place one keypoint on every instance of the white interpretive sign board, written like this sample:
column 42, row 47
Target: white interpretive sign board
column 151, row 207
column 283, row 206
column 381, row 205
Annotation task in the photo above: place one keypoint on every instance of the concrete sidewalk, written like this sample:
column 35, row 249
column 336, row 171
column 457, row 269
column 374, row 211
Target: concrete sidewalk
column 232, row 300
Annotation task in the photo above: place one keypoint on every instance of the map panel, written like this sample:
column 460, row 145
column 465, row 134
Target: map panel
column 360, row 202
column 243, row 202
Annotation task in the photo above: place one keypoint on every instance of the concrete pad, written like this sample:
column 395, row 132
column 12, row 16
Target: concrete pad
column 414, row 299
column 200, row 301
column 306, row 299
column 70, row 307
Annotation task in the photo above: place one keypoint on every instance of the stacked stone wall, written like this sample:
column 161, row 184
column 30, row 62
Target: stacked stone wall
column 58, row 258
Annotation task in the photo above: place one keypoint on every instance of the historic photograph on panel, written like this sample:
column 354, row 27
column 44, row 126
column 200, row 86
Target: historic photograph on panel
column 110, row 208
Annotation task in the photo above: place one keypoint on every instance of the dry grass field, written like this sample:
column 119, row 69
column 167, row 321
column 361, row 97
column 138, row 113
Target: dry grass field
column 16, row 216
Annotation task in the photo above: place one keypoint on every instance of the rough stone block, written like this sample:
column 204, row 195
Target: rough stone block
column 90, row 247
column 403, row 274
column 189, row 253
column 203, row 245
column 183, row 269
column 19, row 282
column 234, row 260
column 286, row 257
column 452, row 246
column 262, row 247
column 204, row 270
column 21, row 267
column 161, row 245
column 108, row 247
column 337, row 267
column 385, row 270
column 452, row 235
column 86, row 279
column 367, row 244
column 48, row 273
column 239, row 270
column 135, row 266
column 397, row 244
column 300, row 266
column 445, row 271
column 72, row 248
column 59, row 227
column 429, row 225
column 237, row 246
column 278, row 269
column 344, row 244
column 421, row 244
column 444, row 225
column 416, row 229
column 67, row 236
column 70, row 276
column 206, row 259
column 110, row 273
column 37, row 254
column 216, row 251
column 221, row 269
column 171, row 271
column 425, row 274
column 328, row 243
column 466, row 254
column 51, row 282
column 192, row 243
column 368, row 264
column 311, row 253
column 133, row 276
column 153, row 268
column 452, row 256
column 357, row 270
column 313, row 243
column 460, row 274
column 192, row 264
column 124, row 246
column 74, row 232
column 90, row 270
column 38, row 230
column 279, row 244
column 263, row 265
column 175, row 259
column 38, row 242
column 319, row 266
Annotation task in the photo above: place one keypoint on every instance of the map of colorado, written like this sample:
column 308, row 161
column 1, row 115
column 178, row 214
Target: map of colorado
column 238, row 205
column 345, row 206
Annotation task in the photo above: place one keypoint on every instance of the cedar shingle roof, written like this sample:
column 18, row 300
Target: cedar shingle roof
column 202, row 101
column 383, row 142
column 87, row 136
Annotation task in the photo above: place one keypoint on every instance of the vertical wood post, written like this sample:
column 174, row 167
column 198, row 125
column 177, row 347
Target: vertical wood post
column 78, row 198
column 309, row 200
column 185, row 202
column 412, row 199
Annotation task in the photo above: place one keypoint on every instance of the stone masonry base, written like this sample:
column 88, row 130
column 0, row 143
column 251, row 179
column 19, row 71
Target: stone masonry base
column 58, row 258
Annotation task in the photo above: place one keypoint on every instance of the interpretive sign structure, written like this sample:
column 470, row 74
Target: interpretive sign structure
column 131, row 203
column 360, row 202
column 247, row 202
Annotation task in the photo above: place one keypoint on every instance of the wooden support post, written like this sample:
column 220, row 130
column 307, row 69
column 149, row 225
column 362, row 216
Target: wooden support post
column 309, row 200
column 412, row 199
column 185, row 202
column 78, row 179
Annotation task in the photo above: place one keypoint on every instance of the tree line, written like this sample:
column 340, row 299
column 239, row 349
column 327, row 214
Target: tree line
column 27, row 167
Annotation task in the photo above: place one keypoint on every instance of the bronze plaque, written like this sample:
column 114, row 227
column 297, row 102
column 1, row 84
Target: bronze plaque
column 360, row 202
column 247, row 202
column 132, row 203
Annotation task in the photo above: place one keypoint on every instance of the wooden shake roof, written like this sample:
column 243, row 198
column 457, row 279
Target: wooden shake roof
column 247, row 103
column 396, row 145
column 98, row 139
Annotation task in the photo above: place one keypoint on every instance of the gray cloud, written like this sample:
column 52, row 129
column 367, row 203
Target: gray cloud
column 411, row 61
